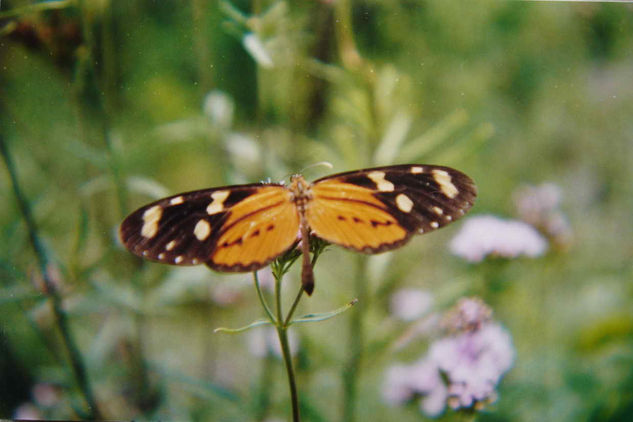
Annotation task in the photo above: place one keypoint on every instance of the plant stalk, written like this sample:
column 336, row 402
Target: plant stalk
column 77, row 364
column 285, row 349
column 282, row 333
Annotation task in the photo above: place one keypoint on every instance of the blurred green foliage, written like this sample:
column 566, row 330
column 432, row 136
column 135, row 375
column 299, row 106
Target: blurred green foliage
column 102, row 106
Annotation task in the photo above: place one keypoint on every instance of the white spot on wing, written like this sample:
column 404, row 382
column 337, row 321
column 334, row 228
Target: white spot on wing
column 217, row 205
column 378, row 177
column 170, row 245
column 404, row 203
column 202, row 230
column 446, row 185
column 434, row 224
column 151, row 217
column 417, row 170
column 161, row 256
column 178, row 259
column 177, row 200
column 437, row 210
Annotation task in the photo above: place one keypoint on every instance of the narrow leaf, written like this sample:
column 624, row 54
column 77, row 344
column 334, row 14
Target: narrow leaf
column 324, row 315
column 256, row 323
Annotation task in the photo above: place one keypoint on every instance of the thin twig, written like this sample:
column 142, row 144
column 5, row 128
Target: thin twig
column 77, row 363
column 293, row 307
column 262, row 300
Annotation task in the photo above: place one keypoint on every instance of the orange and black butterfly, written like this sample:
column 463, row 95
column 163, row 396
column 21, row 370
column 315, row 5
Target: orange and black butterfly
column 244, row 227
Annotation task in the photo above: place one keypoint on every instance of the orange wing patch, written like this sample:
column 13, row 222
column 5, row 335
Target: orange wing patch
column 351, row 216
column 258, row 229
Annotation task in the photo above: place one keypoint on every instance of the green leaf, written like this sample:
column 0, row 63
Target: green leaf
column 423, row 144
column 324, row 315
column 256, row 323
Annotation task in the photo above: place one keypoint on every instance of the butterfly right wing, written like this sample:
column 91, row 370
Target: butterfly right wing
column 378, row 209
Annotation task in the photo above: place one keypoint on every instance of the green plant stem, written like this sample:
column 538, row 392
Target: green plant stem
column 282, row 332
column 293, row 307
column 262, row 300
column 282, row 325
column 77, row 364
column 200, row 30
column 357, row 338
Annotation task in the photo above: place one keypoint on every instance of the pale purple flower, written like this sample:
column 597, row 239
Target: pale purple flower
column 424, row 376
column 474, row 363
column 397, row 388
column 420, row 379
column 485, row 235
column 558, row 229
column 540, row 207
column 46, row 394
column 461, row 369
column 469, row 314
column 409, row 304
column 532, row 202
column 264, row 341
column 27, row 411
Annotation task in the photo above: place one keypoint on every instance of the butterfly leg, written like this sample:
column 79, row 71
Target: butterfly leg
column 307, row 274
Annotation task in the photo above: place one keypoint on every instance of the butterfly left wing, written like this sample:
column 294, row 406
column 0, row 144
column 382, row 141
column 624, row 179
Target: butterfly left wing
column 232, row 228
column 378, row 209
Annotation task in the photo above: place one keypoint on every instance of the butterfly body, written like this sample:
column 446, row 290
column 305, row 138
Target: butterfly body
column 244, row 227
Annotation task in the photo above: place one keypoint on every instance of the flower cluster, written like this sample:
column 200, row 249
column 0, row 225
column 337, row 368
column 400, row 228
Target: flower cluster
column 540, row 207
column 485, row 235
column 461, row 369
column 45, row 397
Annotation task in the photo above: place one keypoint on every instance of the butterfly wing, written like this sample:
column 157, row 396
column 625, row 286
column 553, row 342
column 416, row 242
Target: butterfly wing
column 233, row 228
column 257, row 230
column 378, row 209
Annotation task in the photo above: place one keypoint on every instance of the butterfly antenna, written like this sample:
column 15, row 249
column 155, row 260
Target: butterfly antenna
column 319, row 164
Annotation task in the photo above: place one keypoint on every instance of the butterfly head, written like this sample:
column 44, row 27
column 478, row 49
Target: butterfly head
column 301, row 190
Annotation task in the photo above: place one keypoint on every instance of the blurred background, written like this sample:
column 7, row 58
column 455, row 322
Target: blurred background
column 106, row 105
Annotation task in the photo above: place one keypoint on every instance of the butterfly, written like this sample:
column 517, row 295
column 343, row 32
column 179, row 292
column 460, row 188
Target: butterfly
column 243, row 228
